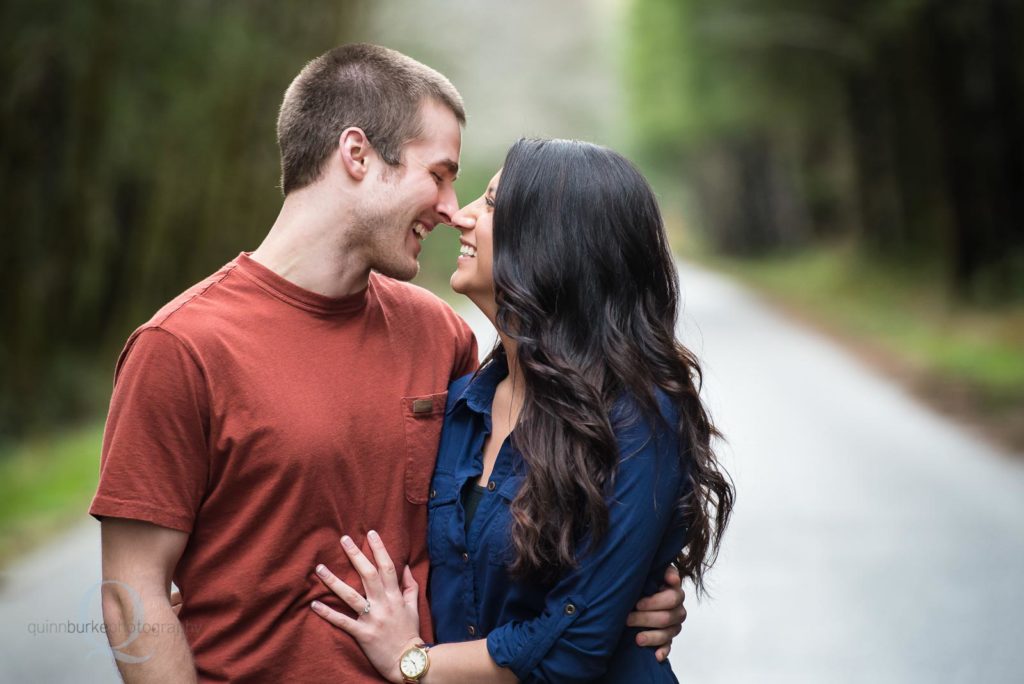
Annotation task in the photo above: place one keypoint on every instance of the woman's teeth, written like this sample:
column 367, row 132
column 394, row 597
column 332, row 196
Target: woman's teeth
column 467, row 251
column 420, row 230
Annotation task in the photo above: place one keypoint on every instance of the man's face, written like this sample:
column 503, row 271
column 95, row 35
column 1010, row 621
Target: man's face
column 408, row 201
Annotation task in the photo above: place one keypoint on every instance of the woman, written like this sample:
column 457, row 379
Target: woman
column 576, row 463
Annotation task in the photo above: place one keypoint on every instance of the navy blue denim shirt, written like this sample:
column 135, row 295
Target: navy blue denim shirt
column 575, row 629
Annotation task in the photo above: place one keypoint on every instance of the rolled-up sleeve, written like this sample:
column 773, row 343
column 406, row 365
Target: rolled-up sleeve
column 585, row 612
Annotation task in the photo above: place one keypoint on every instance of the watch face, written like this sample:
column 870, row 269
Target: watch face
column 413, row 662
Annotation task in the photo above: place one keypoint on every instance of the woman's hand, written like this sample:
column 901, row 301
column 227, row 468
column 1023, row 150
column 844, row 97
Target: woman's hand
column 176, row 601
column 388, row 619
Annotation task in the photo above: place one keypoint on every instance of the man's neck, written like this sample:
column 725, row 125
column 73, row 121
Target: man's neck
column 306, row 247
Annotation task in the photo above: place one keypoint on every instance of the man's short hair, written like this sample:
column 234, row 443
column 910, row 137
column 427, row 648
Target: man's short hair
column 368, row 86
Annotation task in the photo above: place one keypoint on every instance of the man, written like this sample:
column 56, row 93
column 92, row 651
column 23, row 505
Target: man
column 294, row 395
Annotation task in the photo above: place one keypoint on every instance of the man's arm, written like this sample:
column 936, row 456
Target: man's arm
column 661, row 614
column 148, row 642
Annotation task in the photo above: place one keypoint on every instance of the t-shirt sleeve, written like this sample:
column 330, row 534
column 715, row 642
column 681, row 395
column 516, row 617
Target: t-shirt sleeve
column 155, row 463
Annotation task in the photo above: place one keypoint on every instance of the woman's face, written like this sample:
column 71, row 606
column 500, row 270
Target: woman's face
column 474, row 276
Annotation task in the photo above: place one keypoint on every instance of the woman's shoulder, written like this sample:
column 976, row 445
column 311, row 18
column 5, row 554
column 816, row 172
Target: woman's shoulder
column 457, row 390
column 637, row 428
column 629, row 409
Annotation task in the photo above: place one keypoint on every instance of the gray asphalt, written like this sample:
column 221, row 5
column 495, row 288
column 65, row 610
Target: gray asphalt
column 873, row 541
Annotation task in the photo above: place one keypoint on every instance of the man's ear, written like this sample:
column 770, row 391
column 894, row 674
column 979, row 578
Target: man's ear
column 355, row 150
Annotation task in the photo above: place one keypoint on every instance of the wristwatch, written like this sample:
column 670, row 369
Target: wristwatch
column 414, row 663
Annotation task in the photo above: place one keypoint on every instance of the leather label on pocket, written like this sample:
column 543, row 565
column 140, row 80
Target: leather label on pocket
column 424, row 417
column 422, row 405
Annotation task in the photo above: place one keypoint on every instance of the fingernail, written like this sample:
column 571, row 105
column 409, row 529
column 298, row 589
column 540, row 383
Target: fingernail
column 321, row 570
column 641, row 640
column 346, row 541
column 316, row 605
column 374, row 537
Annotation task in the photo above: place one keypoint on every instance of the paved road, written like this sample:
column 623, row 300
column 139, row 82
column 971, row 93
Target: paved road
column 873, row 540
column 50, row 614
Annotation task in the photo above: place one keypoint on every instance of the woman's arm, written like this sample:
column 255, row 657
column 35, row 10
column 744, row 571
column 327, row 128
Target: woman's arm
column 467, row 661
column 585, row 612
column 388, row 622
column 584, row 617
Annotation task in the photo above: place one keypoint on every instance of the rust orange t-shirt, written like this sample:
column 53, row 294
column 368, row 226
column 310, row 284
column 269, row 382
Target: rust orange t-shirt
column 266, row 420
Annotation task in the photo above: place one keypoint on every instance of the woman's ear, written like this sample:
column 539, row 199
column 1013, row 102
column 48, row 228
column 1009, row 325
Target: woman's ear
column 354, row 149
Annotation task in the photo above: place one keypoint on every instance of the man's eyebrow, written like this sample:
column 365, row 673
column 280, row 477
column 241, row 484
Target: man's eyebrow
column 451, row 166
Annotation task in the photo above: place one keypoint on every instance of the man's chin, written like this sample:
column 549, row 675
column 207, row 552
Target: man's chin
column 403, row 272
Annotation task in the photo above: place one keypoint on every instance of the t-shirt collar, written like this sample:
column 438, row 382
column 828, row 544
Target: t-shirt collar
column 292, row 294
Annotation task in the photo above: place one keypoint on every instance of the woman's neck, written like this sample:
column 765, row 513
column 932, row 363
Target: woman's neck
column 515, row 374
column 513, row 386
column 489, row 308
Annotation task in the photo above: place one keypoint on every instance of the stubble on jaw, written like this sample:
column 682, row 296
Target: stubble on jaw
column 380, row 230
column 381, row 235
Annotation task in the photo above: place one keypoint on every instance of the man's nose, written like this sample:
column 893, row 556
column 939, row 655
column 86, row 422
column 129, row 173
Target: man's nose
column 447, row 205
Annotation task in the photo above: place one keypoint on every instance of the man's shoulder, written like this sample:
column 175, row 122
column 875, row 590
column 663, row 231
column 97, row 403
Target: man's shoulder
column 407, row 299
column 192, row 311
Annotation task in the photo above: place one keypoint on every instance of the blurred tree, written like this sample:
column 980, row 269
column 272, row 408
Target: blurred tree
column 137, row 153
column 897, row 124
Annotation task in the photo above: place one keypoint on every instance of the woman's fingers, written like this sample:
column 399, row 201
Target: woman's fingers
column 176, row 602
column 342, row 590
column 385, row 566
column 337, row 619
column 367, row 570
column 410, row 588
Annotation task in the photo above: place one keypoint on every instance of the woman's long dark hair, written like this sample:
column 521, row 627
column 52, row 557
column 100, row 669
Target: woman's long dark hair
column 587, row 288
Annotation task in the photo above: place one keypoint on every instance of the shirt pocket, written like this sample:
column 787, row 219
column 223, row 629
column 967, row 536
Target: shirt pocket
column 497, row 544
column 440, row 510
column 423, row 417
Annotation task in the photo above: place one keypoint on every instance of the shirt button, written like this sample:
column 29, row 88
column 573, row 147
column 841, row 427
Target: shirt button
column 465, row 557
column 570, row 609
column 472, row 630
column 433, row 493
column 491, row 486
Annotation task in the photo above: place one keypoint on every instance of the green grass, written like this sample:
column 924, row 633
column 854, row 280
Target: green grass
column 905, row 312
column 45, row 483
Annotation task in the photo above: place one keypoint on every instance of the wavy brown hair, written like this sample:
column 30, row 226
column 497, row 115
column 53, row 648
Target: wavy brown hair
column 587, row 288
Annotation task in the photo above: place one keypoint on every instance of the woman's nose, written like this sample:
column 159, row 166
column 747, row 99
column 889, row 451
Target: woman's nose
column 463, row 219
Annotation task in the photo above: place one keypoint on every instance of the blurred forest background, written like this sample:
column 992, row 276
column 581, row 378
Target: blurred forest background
column 860, row 163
